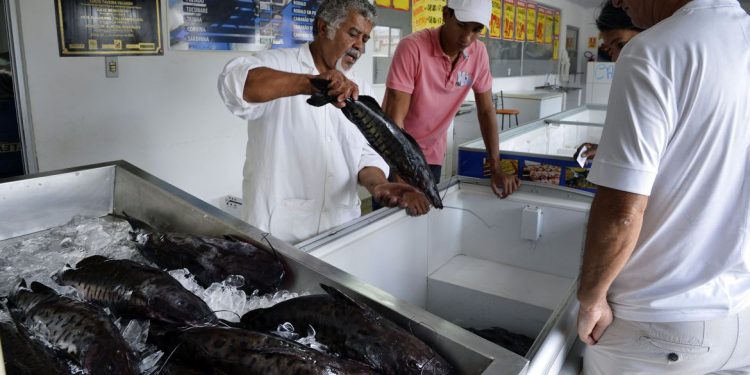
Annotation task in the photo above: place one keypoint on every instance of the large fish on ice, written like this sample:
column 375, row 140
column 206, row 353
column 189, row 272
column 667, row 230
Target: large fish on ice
column 211, row 260
column 26, row 356
column 353, row 330
column 82, row 330
column 135, row 290
column 239, row 351
column 395, row 145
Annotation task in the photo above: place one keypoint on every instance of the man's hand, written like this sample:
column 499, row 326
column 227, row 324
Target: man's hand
column 590, row 150
column 340, row 87
column 396, row 194
column 416, row 203
column 503, row 184
column 593, row 320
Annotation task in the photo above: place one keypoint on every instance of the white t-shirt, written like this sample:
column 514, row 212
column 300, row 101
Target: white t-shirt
column 301, row 166
column 678, row 131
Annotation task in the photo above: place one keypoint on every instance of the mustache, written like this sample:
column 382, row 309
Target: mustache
column 353, row 52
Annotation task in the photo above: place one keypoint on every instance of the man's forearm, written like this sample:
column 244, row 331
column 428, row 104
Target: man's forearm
column 265, row 84
column 614, row 226
column 370, row 177
column 488, row 127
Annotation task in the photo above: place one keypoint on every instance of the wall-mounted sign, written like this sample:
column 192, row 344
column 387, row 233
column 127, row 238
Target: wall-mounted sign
column 393, row 4
column 426, row 14
column 109, row 27
column 521, row 20
column 240, row 25
column 496, row 19
column 531, row 21
column 509, row 19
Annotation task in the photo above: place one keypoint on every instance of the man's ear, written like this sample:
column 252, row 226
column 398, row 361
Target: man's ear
column 321, row 26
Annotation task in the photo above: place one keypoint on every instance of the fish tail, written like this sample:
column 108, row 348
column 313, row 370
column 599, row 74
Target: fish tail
column 320, row 98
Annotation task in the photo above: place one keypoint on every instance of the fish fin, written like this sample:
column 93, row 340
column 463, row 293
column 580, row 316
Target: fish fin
column 40, row 288
column 340, row 296
column 22, row 284
column 373, row 104
column 318, row 100
column 90, row 261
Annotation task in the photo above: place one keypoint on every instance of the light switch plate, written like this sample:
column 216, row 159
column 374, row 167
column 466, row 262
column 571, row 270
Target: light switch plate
column 111, row 67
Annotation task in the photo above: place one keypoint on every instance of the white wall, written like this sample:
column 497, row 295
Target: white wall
column 163, row 113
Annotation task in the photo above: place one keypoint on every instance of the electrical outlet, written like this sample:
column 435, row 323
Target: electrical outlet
column 233, row 205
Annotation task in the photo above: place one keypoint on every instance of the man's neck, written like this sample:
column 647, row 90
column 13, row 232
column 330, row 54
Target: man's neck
column 317, row 55
column 452, row 55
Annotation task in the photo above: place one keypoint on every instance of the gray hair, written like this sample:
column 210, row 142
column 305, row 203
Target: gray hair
column 333, row 12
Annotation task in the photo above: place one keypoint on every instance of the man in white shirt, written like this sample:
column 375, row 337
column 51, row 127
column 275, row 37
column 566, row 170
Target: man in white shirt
column 303, row 163
column 665, row 282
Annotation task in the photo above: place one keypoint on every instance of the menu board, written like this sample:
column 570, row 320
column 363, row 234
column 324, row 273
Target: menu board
column 509, row 16
column 240, row 25
column 530, row 22
column 521, row 20
column 496, row 18
column 108, row 27
column 426, row 14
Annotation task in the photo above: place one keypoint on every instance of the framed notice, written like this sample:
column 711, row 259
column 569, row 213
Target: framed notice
column 109, row 27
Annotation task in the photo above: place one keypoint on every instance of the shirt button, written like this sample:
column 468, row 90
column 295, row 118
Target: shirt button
column 673, row 357
column 330, row 139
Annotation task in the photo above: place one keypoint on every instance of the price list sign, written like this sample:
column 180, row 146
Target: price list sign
column 109, row 27
column 240, row 25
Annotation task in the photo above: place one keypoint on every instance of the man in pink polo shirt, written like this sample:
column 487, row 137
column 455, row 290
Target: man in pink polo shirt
column 431, row 74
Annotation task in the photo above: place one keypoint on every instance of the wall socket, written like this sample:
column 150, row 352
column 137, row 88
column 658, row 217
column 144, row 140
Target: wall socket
column 232, row 204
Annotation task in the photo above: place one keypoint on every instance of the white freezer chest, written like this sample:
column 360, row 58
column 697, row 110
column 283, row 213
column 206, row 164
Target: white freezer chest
column 471, row 265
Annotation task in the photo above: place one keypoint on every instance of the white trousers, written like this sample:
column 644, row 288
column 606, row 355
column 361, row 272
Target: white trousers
column 706, row 347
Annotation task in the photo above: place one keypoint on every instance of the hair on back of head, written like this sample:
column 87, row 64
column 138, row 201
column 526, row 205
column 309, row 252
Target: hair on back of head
column 613, row 18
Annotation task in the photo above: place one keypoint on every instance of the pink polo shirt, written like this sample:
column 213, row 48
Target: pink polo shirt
column 420, row 68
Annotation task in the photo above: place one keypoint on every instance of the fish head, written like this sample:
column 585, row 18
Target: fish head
column 111, row 358
column 425, row 182
column 180, row 306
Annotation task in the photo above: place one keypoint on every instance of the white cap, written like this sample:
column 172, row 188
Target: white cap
column 472, row 10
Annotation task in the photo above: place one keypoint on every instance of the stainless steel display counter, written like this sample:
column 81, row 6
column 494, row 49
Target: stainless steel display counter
column 39, row 202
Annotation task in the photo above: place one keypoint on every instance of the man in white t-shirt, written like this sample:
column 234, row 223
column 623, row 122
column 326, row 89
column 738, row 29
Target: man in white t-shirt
column 303, row 163
column 665, row 282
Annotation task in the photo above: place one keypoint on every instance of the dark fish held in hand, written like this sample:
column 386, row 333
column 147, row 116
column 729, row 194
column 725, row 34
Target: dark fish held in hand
column 353, row 330
column 396, row 146
column 210, row 260
column 239, row 351
column 80, row 329
column 135, row 290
